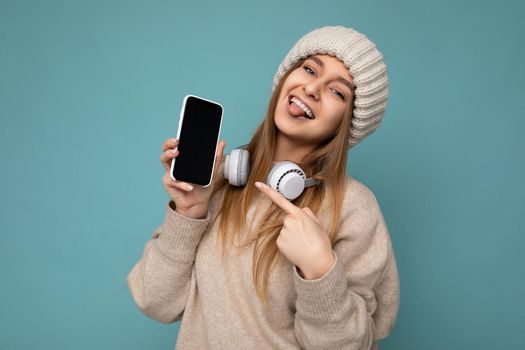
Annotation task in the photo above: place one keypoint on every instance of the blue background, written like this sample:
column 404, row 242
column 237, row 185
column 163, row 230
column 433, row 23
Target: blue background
column 91, row 89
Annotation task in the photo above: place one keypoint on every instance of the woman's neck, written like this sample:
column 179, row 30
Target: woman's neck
column 287, row 149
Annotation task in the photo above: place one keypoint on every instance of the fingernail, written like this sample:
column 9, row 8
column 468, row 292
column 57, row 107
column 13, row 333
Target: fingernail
column 173, row 150
column 258, row 184
column 189, row 187
column 173, row 140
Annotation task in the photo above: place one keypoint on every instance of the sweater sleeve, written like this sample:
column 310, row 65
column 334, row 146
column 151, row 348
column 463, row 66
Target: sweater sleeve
column 355, row 303
column 160, row 281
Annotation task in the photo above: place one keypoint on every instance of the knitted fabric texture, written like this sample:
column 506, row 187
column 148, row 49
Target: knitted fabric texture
column 182, row 276
column 365, row 64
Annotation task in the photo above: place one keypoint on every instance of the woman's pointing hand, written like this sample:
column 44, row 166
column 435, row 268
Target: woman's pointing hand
column 302, row 239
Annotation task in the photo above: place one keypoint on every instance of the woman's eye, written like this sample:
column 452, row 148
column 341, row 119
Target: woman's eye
column 340, row 94
column 308, row 69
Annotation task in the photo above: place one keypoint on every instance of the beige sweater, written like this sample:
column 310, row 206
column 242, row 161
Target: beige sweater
column 180, row 277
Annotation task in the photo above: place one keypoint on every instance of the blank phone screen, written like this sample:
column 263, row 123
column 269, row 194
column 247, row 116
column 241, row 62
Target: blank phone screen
column 198, row 136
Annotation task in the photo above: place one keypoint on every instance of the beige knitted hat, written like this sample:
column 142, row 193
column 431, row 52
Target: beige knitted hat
column 365, row 64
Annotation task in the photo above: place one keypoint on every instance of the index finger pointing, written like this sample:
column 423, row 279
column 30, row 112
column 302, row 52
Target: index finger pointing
column 278, row 198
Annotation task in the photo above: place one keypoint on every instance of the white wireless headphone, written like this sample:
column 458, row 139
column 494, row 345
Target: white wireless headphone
column 285, row 177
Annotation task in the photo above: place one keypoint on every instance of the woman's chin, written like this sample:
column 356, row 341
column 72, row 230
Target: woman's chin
column 288, row 127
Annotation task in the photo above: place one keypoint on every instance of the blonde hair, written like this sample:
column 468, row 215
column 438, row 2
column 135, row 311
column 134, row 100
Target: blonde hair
column 326, row 163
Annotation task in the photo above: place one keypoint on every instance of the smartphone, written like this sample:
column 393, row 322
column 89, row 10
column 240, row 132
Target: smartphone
column 199, row 129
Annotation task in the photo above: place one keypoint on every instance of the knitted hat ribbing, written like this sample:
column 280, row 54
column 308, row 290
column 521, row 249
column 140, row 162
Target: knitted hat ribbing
column 365, row 65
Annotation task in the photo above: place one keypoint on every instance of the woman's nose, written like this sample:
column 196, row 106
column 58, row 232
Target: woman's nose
column 311, row 89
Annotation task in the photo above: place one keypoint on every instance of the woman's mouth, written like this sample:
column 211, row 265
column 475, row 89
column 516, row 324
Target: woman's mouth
column 299, row 110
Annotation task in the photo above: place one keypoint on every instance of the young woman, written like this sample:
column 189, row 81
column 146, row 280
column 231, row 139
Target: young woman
column 315, row 272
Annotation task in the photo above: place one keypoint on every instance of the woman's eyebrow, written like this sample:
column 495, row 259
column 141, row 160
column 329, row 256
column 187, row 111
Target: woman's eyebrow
column 339, row 78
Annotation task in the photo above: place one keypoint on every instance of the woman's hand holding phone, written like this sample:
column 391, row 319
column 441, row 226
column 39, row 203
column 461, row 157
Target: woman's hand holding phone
column 190, row 202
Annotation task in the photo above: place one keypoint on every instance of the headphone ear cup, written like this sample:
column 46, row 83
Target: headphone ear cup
column 237, row 167
column 244, row 166
column 287, row 178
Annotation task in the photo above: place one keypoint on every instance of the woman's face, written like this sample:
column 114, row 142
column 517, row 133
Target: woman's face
column 325, row 86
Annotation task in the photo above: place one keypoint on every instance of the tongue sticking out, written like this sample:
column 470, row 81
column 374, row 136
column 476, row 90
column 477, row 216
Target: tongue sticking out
column 296, row 111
